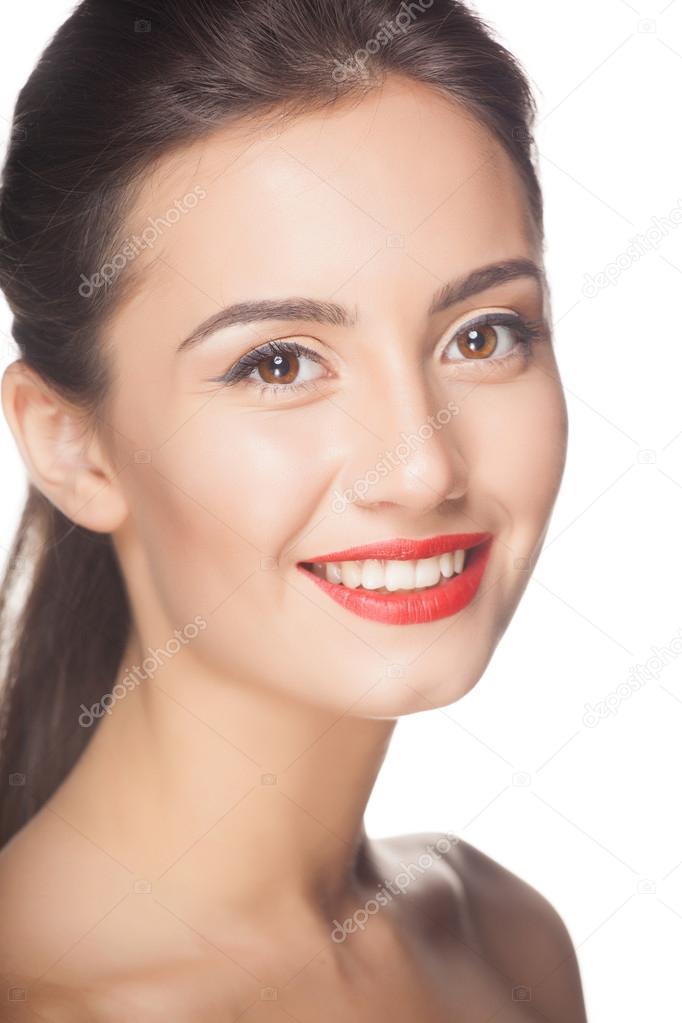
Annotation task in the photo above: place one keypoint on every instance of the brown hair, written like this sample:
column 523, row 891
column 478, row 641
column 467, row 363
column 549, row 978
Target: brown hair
column 120, row 85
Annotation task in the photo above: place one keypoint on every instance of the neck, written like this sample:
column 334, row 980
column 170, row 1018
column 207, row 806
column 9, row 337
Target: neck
column 237, row 795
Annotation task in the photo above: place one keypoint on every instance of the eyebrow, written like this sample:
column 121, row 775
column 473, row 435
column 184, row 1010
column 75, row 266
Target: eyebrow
column 334, row 315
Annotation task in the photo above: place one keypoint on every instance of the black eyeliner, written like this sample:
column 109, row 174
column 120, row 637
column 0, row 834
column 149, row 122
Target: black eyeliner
column 247, row 363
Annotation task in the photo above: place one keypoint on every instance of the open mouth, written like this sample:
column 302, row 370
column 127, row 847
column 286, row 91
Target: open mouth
column 391, row 576
column 403, row 590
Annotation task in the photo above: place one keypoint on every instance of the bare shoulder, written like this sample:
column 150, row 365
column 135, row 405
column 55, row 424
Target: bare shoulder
column 75, row 948
column 521, row 930
column 49, row 1002
column 497, row 918
column 55, row 887
column 21, row 881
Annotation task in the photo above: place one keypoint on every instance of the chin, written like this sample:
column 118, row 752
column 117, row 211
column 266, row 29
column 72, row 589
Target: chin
column 413, row 688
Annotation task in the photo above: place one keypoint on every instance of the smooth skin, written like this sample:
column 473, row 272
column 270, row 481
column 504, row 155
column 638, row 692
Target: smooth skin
column 199, row 852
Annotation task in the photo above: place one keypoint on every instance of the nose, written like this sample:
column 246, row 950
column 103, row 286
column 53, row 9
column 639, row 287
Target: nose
column 406, row 453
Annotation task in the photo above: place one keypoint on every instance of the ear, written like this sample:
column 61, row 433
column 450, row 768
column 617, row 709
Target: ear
column 64, row 457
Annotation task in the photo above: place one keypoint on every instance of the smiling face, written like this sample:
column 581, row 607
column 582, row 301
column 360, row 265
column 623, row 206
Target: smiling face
column 401, row 414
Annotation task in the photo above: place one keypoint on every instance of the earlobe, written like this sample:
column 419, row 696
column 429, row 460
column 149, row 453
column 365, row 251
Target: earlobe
column 63, row 454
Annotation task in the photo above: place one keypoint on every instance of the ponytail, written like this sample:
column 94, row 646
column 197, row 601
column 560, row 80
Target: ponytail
column 61, row 648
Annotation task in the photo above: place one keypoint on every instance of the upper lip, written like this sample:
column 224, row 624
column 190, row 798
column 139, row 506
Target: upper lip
column 403, row 549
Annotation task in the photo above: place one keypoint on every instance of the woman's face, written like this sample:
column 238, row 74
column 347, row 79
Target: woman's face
column 399, row 420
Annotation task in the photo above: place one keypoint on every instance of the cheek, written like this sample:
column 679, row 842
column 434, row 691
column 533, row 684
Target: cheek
column 228, row 490
column 225, row 494
column 521, row 439
column 516, row 439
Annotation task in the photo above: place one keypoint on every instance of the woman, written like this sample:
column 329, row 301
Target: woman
column 294, row 430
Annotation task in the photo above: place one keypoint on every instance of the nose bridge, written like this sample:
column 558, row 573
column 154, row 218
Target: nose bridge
column 406, row 450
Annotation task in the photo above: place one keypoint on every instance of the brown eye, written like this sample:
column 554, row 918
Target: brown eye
column 489, row 340
column 477, row 342
column 279, row 368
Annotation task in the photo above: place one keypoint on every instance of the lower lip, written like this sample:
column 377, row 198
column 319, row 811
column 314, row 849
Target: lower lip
column 415, row 607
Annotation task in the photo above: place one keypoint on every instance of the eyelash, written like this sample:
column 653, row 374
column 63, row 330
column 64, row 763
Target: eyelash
column 530, row 332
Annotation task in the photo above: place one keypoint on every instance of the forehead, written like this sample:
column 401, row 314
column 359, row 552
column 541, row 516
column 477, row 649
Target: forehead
column 402, row 175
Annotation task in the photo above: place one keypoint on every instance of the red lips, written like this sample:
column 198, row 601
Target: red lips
column 406, row 550
column 417, row 606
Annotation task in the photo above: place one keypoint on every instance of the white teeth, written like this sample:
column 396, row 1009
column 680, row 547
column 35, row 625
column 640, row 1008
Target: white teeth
column 427, row 572
column 399, row 575
column 334, row 572
column 376, row 574
column 447, row 566
column 351, row 573
column 372, row 574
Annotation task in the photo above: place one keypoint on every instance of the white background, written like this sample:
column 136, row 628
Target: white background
column 599, row 812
